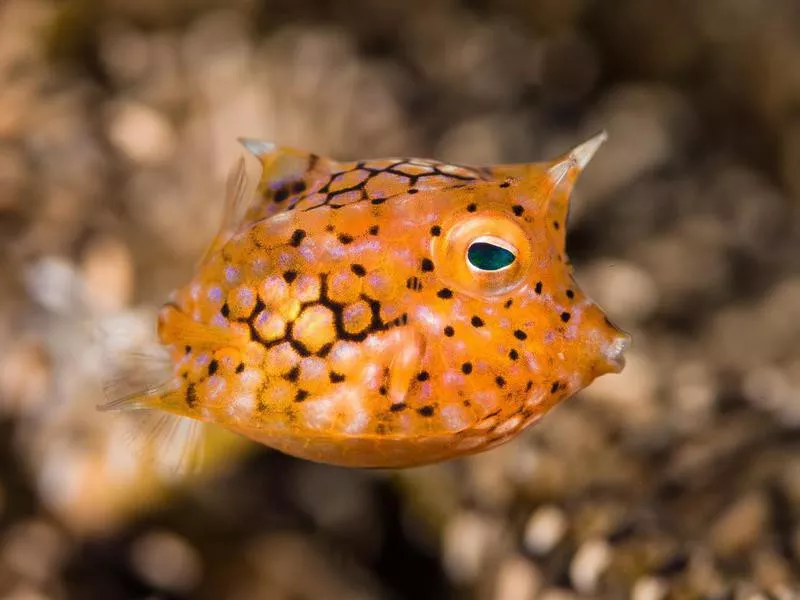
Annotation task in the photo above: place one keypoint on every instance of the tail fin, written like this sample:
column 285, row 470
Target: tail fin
column 140, row 388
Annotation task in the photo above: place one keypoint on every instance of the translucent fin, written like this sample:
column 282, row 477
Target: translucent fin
column 146, row 403
column 176, row 327
column 173, row 446
column 233, row 211
column 280, row 166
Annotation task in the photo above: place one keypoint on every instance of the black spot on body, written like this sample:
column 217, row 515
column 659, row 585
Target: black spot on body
column 529, row 386
column 505, row 184
column 520, row 335
column 508, row 303
column 293, row 374
column 374, row 230
column 336, row 377
column 423, row 376
column 570, row 294
column 426, row 265
column 345, row 238
column 225, row 311
column 554, row 387
column 413, row 283
column 476, row 321
column 449, row 331
column 187, row 349
column 213, row 366
column 289, row 276
column 281, row 194
column 466, row 368
column 565, row 316
column 191, row 395
column 399, row 407
column 436, row 231
column 556, row 225
column 358, row 270
column 382, row 390
column 377, row 201
column 518, row 210
column 472, row 207
column 240, row 368
column 413, row 191
column 300, row 395
column 538, row 287
column 425, row 411
column 299, row 187
column 513, row 355
column 297, row 346
column 297, row 237
column 500, row 381
column 444, row 293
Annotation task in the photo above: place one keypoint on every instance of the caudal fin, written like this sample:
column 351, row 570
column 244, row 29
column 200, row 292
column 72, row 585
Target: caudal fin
column 143, row 395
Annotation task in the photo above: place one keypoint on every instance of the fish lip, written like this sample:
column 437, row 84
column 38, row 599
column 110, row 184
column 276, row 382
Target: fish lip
column 615, row 352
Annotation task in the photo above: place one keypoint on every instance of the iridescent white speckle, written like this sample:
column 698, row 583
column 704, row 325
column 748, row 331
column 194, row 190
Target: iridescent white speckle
column 232, row 274
column 214, row 293
column 250, row 379
column 215, row 386
column 453, row 378
column 243, row 405
column 425, row 315
column 319, row 413
column 245, row 296
column 343, row 353
column 454, row 418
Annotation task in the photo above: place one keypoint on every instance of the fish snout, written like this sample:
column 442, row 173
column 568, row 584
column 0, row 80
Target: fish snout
column 613, row 351
column 608, row 342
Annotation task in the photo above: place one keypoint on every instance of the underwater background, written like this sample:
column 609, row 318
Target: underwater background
column 679, row 478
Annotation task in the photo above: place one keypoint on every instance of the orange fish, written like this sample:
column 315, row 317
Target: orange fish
column 384, row 313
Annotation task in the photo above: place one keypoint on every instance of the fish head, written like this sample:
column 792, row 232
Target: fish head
column 506, row 288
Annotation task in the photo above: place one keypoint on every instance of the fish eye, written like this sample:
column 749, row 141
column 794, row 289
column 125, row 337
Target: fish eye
column 490, row 254
column 482, row 255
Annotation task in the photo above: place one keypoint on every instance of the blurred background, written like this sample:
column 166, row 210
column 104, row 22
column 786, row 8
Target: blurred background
column 678, row 479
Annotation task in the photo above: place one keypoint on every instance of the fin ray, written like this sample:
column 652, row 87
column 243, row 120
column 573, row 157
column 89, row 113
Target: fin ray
column 282, row 165
column 144, row 400
column 232, row 212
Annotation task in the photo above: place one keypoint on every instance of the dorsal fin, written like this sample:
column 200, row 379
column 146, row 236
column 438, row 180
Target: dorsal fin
column 286, row 173
column 232, row 211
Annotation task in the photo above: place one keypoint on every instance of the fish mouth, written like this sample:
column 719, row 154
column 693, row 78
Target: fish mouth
column 614, row 352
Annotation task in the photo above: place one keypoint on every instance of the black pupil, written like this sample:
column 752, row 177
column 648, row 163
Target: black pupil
column 489, row 257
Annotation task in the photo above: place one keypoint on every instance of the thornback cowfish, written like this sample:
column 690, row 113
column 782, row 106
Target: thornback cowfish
column 384, row 313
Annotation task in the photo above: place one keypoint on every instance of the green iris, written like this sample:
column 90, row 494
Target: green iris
column 489, row 257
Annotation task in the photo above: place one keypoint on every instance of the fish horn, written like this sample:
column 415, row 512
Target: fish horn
column 258, row 148
column 564, row 172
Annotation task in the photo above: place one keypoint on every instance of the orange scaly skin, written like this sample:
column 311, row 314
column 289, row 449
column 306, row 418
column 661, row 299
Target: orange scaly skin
column 339, row 321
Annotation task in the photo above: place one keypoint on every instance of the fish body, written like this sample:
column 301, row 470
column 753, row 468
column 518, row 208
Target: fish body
column 385, row 313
